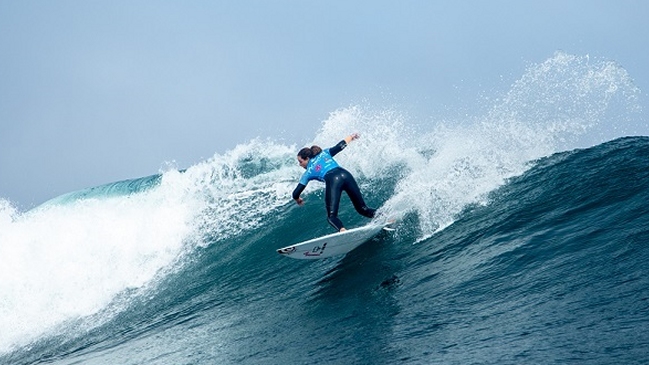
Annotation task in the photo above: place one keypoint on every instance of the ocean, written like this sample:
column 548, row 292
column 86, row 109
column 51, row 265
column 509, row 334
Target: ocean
column 521, row 238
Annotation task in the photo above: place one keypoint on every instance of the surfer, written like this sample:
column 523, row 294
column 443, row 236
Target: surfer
column 320, row 165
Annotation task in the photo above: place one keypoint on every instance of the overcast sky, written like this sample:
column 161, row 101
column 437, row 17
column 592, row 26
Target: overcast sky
column 93, row 92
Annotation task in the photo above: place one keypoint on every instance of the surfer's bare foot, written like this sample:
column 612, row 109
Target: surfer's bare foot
column 342, row 229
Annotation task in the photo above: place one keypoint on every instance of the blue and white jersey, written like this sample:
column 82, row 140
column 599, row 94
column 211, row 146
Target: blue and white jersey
column 318, row 167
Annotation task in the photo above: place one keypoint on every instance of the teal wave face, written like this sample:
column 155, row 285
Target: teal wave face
column 557, row 257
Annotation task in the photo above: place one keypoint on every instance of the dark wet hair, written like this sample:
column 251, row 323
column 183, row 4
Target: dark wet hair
column 309, row 152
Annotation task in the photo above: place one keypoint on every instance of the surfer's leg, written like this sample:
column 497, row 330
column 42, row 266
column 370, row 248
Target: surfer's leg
column 333, row 189
column 336, row 223
column 354, row 193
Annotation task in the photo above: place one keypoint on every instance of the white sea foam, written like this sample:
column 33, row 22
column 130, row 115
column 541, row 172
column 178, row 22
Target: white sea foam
column 561, row 103
column 66, row 261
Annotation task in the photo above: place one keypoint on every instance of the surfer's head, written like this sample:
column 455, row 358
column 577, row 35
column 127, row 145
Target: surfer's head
column 307, row 153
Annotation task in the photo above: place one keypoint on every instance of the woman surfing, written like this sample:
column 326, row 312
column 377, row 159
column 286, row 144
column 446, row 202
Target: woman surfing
column 320, row 165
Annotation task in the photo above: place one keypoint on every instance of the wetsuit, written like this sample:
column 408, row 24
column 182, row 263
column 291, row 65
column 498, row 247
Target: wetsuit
column 323, row 167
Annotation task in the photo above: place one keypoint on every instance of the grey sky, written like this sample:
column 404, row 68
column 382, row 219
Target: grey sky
column 98, row 91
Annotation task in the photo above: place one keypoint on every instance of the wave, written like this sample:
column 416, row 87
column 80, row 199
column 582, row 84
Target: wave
column 99, row 268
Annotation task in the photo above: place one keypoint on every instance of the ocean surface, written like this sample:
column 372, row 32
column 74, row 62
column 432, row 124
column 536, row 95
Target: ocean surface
column 522, row 238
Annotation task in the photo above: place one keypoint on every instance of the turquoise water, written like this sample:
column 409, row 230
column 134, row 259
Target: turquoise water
column 512, row 246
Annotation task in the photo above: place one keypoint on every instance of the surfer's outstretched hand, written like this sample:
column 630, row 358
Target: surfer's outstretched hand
column 299, row 201
column 352, row 137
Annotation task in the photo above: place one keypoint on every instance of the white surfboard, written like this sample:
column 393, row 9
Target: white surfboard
column 334, row 244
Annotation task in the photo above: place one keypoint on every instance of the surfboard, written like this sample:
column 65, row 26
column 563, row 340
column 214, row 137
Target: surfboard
column 334, row 244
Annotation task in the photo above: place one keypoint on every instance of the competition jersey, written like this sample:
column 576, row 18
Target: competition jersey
column 318, row 167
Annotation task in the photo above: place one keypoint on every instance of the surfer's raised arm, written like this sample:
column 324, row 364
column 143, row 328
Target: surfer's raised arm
column 343, row 143
column 352, row 137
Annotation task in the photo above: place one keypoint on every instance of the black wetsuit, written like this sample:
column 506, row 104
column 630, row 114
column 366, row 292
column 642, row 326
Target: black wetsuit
column 322, row 167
